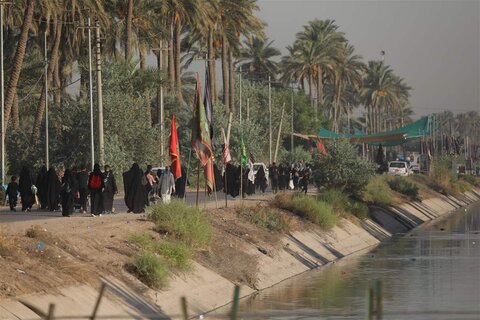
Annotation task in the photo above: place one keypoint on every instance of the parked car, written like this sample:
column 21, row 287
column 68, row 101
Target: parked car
column 257, row 166
column 399, row 168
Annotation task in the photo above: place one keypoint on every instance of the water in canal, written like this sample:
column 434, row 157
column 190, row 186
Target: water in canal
column 431, row 273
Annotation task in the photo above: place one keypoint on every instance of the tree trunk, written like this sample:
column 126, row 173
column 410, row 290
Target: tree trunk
column 142, row 52
column 211, row 61
column 178, row 53
column 57, row 93
column 16, row 113
column 226, row 91
column 159, row 68
column 311, row 89
column 51, row 68
column 171, row 64
column 231, row 74
column 320, row 86
column 128, row 30
column 18, row 60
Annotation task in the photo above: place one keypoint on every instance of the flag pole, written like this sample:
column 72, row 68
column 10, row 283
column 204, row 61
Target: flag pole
column 198, row 182
column 205, row 194
column 214, row 183
column 186, row 178
column 241, row 181
column 225, row 189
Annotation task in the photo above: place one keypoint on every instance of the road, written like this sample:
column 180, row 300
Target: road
column 7, row 216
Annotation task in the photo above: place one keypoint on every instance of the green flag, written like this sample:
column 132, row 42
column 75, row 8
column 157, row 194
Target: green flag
column 244, row 157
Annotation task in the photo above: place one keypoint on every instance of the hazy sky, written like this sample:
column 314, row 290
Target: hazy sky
column 434, row 45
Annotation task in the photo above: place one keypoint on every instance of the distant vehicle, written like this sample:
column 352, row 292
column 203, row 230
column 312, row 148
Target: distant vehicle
column 415, row 162
column 399, row 168
column 257, row 166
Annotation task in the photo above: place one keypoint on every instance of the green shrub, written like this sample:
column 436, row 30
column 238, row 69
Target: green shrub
column 342, row 203
column 377, row 191
column 266, row 218
column 474, row 181
column 177, row 255
column 403, row 186
column 150, row 269
column 341, row 168
column 184, row 222
column 358, row 209
column 318, row 212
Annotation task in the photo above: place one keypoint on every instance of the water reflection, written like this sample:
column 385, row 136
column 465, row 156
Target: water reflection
column 431, row 273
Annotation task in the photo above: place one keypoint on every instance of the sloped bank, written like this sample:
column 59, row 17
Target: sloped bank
column 305, row 250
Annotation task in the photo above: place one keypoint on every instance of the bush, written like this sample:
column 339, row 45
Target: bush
column 474, row 181
column 377, row 191
column 266, row 218
column 403, row 186
column 318, row 212
column 150, row 269
column 341, row 202
column 341, row 169
column 177, row 255
column 184, row 222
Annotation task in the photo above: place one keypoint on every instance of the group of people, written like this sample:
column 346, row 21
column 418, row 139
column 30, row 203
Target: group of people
column 282, row 177
column 68, row 189
column 290, row 177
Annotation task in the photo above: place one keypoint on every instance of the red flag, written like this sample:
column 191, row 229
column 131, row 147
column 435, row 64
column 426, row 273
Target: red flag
column 226, row 151
column 210, row 176
column 175, row 151
column 201, row 130
column 321, row 147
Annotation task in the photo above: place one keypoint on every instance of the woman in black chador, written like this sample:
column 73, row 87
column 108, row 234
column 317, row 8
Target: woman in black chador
column 53, row 190
column 135, row 192
column 68, row 190
column 41, row 185
column 95, row 185
column 110, row 189
column 25, row 187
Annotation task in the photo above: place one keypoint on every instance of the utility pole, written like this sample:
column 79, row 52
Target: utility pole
column 47, row 156
column 160, row 104
column 291, row 135
column 92, row 141
column 240, row 96
column 101, row 145
column 248, row 109
column 270, row 120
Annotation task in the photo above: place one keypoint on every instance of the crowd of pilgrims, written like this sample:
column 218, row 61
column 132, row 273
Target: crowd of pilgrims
column 282, row 177
column 71, row 188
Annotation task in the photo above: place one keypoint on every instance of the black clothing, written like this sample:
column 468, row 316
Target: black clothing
column 218, row 178
column 96, row 193
column 53, row 190
column 25, row 187
column 41, row 184
column 82, row 180
column 135, row 192
column 261, row 180
column 273, row 171
column 69, row 188
column 232, row 180
column 12, row 193
column 109, row 191
column 180, row 184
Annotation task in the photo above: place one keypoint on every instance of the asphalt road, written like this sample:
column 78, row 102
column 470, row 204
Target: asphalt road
column 7, row 216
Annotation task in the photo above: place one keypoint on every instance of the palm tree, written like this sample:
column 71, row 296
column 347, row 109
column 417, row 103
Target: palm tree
column 256, row 58
column 18, row 58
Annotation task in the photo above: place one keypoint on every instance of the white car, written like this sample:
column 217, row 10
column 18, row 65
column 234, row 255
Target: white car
column 399, row 168
column 257, row 166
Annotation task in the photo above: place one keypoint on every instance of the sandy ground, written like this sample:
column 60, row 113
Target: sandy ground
column 82, row 249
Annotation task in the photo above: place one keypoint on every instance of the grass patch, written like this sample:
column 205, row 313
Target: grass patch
column 176, row 254
column 474, row 181
column 378, row 191
column 6, row 245
column 310, row 208
column 405, row 187
column 184, row 222
column 343, row 204
column 150, row 269
column 265, row 218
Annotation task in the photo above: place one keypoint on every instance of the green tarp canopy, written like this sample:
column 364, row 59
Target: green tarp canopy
column 412, row 131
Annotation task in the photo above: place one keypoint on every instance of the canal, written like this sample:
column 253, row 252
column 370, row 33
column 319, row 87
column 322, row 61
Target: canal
column 432, row 272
